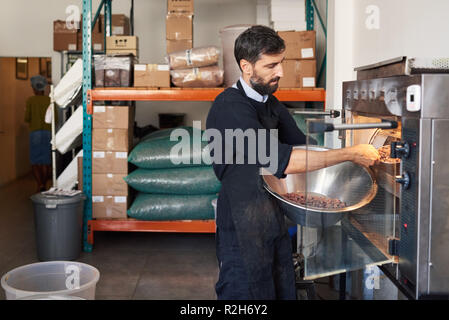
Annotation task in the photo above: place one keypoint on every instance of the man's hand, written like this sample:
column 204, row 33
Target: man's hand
column 364, row 154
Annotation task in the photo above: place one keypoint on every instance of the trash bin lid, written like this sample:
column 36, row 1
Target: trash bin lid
column 56, row 200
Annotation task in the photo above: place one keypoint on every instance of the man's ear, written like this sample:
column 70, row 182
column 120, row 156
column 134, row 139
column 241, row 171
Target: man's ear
column 246, row 66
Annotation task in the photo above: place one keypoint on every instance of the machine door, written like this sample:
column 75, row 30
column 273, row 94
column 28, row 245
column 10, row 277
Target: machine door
column 349, row 215
column 439, row 242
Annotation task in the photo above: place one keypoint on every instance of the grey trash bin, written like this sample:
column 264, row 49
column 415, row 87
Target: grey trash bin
column 59, row 226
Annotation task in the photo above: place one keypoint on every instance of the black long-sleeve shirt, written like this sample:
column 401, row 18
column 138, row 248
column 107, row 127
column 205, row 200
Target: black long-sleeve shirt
column 232, row 110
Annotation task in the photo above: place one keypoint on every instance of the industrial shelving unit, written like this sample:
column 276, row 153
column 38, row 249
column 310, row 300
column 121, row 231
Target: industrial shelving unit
column 147, row 94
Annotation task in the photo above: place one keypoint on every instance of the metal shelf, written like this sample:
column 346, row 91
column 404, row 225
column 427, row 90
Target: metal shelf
column 184, row 226
column 147, row 94
column 194, row 94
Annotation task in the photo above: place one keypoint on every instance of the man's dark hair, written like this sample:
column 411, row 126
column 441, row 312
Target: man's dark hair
column 256, row 41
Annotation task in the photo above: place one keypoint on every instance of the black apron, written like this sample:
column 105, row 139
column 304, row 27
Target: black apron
column 261, row 262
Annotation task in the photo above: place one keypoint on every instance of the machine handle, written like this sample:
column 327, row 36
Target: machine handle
column 404, row 180
column 399, row 149
column 320, row 127
column 330, row 113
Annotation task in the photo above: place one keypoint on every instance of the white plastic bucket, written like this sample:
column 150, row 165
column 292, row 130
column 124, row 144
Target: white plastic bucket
column 47, row 297
column 51, row 279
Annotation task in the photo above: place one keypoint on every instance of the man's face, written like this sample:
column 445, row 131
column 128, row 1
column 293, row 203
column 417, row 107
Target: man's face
column 266, row 73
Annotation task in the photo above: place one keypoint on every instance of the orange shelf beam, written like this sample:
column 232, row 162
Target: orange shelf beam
column 132, row 225
column 195, row 94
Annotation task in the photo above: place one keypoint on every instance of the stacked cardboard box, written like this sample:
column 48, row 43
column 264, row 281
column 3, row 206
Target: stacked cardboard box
column 68, row 36
column 152, row 75
column 179, row 25
column 122, row 45
column 299, row 65
column 112, row 133
column 287, row 15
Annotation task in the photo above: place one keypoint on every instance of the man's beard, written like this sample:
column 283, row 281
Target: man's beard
column 264, row 88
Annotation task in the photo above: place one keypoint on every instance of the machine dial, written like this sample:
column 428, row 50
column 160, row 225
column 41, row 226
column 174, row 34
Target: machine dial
column 400, row 150
column 404, row 180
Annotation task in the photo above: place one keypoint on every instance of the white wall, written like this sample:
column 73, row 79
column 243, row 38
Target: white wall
column 26, row 29
column 412, row 28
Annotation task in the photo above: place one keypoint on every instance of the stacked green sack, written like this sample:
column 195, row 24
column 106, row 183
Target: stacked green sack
column 301, row 122
column 170, row 186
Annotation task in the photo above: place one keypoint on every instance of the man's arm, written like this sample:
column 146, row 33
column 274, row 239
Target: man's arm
column 365, row 155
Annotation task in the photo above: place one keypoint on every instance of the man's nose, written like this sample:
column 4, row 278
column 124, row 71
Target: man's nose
column 279, row 71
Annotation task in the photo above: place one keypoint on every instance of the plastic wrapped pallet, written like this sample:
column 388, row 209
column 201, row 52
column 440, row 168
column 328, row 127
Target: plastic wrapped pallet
column 157, row 154
column 194, row 58
column 159, row 207
column 205, row 77
column 113, row 71
column 187, row 181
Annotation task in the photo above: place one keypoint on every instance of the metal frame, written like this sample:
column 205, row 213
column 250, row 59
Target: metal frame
column 311, row 9
column 144, row 94
column 87, row 119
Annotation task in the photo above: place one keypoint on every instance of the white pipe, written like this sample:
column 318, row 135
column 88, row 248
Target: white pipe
column 53, row 136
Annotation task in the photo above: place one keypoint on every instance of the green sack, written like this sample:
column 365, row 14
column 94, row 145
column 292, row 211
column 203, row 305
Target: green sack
column 187, row 181
column 301, row 122
column 164, row 133
column 158, row 207
column 156, row 153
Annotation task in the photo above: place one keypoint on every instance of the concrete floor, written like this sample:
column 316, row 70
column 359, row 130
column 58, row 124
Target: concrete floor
column 132, row 265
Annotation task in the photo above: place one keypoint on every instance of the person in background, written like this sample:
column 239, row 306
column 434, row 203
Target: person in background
column 40, row 132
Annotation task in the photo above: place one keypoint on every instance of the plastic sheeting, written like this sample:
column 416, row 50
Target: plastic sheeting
column 184, row 181
column 70, row 85
column 194, row 58
column 205, row 77
column 70, row 134
column 69, row 177
column 155, row 207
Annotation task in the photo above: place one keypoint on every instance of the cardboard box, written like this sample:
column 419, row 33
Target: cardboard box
column 179, row 26
column 115, row 52
column 109, row 207
column 152, row 75
column 178, row 45
column 110, row 117
column 120, row 25
column 180, row 6
column 298, row 74
column 64, row 38
column 299, row 44
column 122, row 45
column 112, row 139
column 109, row 184
column 97, row 41
column 110, row 162
column 122, row 42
